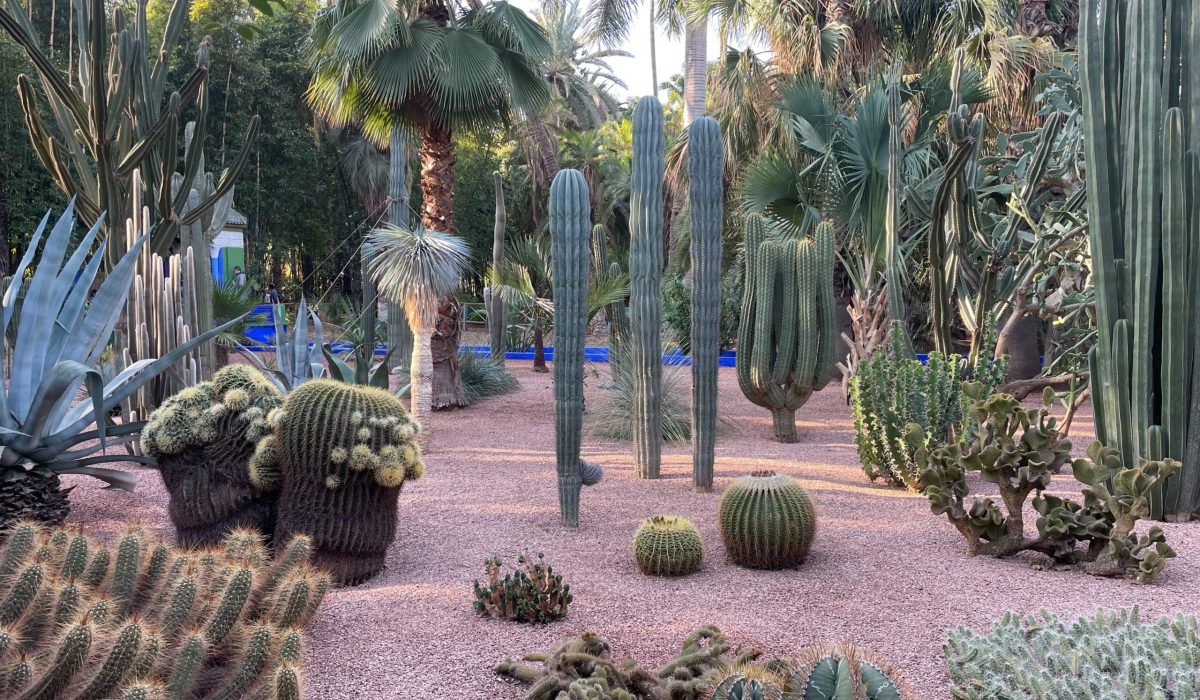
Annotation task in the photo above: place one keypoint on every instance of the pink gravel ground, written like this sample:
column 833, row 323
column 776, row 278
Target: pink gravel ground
column 884, row 573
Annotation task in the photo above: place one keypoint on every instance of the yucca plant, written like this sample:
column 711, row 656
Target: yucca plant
column 58, row 339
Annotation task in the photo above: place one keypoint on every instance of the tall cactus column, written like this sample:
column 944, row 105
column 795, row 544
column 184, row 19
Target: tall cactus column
column 645, row 283
column 399, row 333
column 1141, row 106
column 496, row 315
column 706, row 165
column 570, row 214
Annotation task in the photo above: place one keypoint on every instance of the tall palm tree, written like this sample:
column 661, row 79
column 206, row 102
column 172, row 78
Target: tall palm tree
column 433, row 68
column 420, row 268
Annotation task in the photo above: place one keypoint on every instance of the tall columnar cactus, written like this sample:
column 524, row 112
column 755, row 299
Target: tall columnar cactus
column 843, row 671
column 338, row 456
column 786, row 336
column 203, row 439
column 767, row 520
column 570, row 214
column 1141, row 106
column 497, row 315
column 645, row 282
column 399, row 332
column 141, row 619
column 706, row 167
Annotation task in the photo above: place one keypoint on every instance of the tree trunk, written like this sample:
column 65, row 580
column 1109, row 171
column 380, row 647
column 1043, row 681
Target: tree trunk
column 437, row 213
column 399, row 335
column 420, row 377
column 1021, row 346
column 539, row 348
column 545, row 147
column 695, row 70
column 447, row 391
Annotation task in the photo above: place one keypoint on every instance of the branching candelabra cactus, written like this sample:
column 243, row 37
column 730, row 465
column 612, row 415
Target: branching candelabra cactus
column 570, row 225
column 81, row 620
column 645, row 282
column 786, row 335
column 706, row 172
column 1018, row 449
column 1142, row 133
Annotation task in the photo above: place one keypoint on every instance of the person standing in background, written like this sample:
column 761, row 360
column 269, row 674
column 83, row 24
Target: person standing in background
column 272, row 296
column 239, row 277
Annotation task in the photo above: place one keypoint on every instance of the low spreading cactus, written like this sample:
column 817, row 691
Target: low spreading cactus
column 1109, row 656
column 143, row 620
column 533, row 593
column 1018, row 449
column 767, row 520
column 667, row 545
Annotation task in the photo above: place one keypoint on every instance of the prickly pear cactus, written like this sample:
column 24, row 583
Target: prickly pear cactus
column 338, row 455
column 667, row 545
column 203, row 439
column 767, row 521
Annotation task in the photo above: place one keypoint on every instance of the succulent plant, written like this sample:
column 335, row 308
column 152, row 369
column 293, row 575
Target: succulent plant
column 844, row 672
column 57, row 341
column 532, row 593
column 744, row 682
column 767, row 521
column 203, row 439
column 1107, row 656
column 585, row 664
column 1018, row 449
column 667, row 545
column 147, row 620
column 338, row 456
column 645, row 281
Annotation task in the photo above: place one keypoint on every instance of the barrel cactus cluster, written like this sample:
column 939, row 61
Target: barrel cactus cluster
column 141, row 619
column 203, row 439
column 786, row 336
column 337, row 457
column 767, row 521
column 667, row 545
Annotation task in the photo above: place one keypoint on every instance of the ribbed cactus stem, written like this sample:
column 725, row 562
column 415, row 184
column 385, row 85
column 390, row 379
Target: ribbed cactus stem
column 496, row 313
column 570, row 224
column 400, row 334
column 645, row 283
column 706, row 167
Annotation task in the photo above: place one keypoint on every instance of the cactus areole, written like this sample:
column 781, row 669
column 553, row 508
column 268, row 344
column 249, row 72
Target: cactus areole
column 570, row 229
column 1141, row 105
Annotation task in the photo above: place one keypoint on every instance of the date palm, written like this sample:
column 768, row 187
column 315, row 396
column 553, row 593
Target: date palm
column 431, row 67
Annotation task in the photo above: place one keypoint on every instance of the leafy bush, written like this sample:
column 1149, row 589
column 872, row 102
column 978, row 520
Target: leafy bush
column 82, row 620
column 1018, row 449
column 1111, row 656
column 892, row 389
column 484, row 376
column 677, row 309
column 532, row 593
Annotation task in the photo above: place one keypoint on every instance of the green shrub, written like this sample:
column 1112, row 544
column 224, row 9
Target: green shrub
column 1109, row 656
column 677, row 309
column 82, row 620
column 484, row 376
column 532, row 593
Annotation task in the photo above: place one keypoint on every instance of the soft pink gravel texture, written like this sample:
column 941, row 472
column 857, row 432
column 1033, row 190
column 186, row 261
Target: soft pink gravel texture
column 884, row 572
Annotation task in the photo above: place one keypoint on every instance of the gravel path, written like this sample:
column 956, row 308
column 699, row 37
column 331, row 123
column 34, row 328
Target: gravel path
column 884, row 572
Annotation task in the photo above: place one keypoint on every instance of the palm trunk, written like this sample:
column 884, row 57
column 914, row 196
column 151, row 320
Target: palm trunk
column 695, row 70
column 420, row 378
column 539, row 348
column 545, row 147
column 400, row 336
column 437, row 213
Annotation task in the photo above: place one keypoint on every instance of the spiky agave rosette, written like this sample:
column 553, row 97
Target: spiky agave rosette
column 338, row 455
column 203, row 439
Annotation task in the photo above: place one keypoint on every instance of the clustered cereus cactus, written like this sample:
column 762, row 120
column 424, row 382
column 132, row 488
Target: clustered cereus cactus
column 338, row 456
column 532, row 593
column 1109, row 656
column 202, row 439
column 143, row 620
column 767, row 521
column 1018, row 449
column 667, row 545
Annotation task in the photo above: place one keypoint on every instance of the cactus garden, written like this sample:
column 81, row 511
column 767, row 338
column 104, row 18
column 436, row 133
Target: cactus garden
column 599, row 350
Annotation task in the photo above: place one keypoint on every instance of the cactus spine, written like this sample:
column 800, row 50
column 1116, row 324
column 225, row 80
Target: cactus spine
column 706, row 167
column 645, row 282
column 1141, row 109
column 786, row 334
column 570, row 214
column 496, row 313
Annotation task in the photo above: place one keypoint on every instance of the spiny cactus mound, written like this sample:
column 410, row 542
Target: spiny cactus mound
column 338, row 455
column 203, row 439
column 532, row 593
column 744, row 682
column 767, row 521
column 667, row 545
column 843, row 671
column 143, row 620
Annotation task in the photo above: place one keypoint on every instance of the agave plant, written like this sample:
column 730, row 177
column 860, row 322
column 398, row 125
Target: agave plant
column 56, row 344
column 297, row 350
